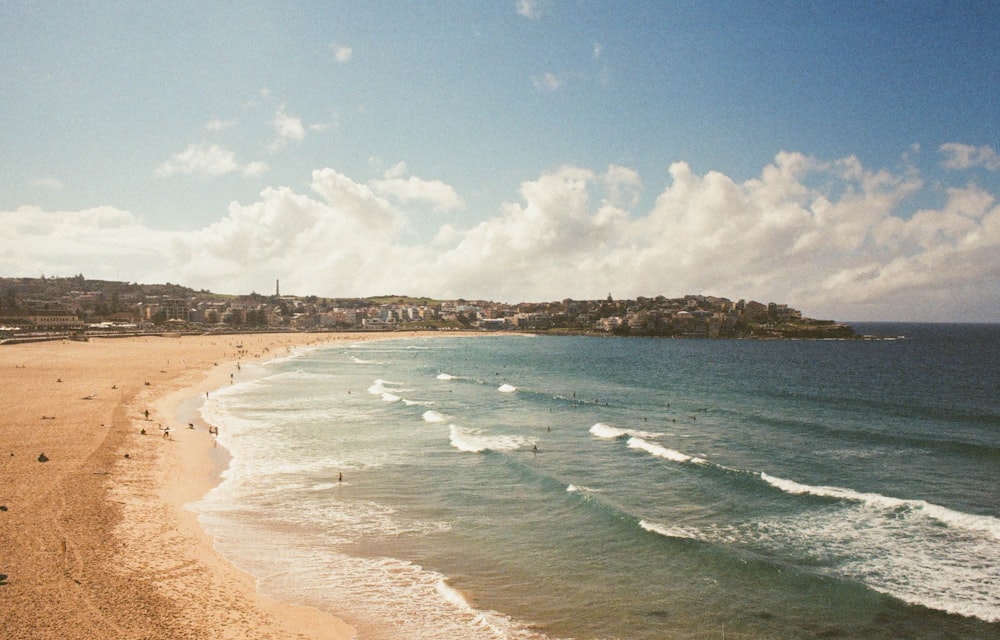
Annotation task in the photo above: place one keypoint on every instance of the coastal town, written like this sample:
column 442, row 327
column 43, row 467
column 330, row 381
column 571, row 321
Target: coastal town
column 76, row 307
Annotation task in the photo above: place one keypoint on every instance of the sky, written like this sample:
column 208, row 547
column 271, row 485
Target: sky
column 839, row 157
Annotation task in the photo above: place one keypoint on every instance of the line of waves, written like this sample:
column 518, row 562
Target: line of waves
column 663, row 452
column 944, row 515
column 390, row 392
column 955, row 519
column 476, row 441
column 607, row 432
column 537, row 395
column 919, row 552
column 396, row 597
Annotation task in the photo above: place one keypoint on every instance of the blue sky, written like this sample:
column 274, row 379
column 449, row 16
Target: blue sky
column 841, row 157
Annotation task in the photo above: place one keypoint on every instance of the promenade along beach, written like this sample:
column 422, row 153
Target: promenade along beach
column 95, row 541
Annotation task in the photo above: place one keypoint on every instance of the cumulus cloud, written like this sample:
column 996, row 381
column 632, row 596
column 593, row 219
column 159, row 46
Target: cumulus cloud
column 102, row 240
column 964, row 156
column 833, row 238
column 317, row 242
column 207, row 160
column 436, row 194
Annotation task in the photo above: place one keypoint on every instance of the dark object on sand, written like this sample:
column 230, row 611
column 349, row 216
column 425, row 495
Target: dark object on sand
column 42, row 457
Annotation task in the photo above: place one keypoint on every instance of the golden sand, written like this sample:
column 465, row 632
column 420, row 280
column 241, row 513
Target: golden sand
column 96, row 542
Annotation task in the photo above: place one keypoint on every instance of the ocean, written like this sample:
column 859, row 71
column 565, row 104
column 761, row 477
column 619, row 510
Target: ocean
column 541, row 487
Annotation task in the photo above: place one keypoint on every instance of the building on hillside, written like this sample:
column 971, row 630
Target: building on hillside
column 755, row 312
column 56, row 322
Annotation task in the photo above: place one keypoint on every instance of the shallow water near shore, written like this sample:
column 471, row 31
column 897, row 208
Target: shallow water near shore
column 578, row 487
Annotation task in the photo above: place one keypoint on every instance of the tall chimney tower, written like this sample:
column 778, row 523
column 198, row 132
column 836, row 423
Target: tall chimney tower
column 277, row 288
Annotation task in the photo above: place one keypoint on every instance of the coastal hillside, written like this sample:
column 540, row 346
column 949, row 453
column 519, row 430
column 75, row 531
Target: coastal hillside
column 81, row 306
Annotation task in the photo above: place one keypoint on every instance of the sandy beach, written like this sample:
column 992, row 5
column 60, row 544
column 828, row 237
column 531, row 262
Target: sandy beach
column 95, row 541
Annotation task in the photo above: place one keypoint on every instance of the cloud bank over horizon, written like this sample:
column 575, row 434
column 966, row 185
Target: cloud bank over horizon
column 830, row 237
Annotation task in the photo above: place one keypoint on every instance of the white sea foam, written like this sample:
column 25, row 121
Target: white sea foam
column 475, row 441
column 957, row 519
column 688, row 533
column 918, row 552
column 573, row 488
column 381, row 388
column 386, row 595
column 662, row 452
column 601, row 430
column 492, row 621
column 433, row 416
column 445, row 376
column 506, row 388
column 897, row 553
column 404, row 596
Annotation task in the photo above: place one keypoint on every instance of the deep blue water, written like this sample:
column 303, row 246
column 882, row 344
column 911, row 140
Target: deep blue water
column 580, row 487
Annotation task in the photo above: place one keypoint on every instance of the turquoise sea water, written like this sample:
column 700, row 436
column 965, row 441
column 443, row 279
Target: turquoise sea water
column 578, row 487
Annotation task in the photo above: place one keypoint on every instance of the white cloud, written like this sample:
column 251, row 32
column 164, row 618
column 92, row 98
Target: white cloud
column 289, row 128
column 103, row 241
column 207, row 160
column 342, row 53
column 964, row 156
column 438, row 195
column 254, row 168
column 828, row 237
column 528, row 9
column 624, row 187
column 397, row 170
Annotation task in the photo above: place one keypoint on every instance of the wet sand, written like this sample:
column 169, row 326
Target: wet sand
column 95, row 542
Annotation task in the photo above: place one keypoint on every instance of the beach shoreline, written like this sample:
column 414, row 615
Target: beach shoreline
column 97, row 540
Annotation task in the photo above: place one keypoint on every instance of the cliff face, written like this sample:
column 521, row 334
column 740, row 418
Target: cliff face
column 815, row 330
